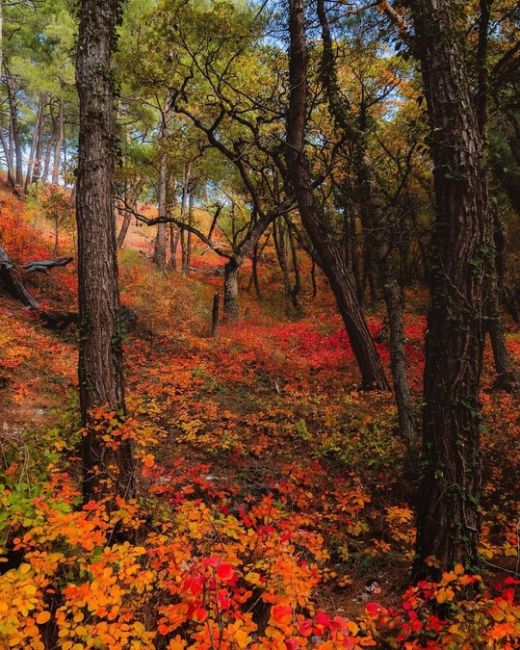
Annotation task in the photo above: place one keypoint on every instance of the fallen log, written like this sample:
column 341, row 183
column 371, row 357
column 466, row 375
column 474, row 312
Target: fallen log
column 17, row 290
column 44, row 265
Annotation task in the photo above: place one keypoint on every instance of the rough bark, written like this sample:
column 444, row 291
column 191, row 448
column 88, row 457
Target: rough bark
column 329, row 251
column 231, row 311
column 106, row 470
column 448, row 517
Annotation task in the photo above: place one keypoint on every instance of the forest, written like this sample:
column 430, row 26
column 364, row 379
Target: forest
column 259, row 324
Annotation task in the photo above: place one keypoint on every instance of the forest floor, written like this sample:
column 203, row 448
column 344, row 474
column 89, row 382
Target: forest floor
column 264, row 420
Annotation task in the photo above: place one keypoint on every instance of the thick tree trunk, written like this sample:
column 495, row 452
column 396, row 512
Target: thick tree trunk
column 448, row 517
column 107, row 468
column 231, row 270
column 331, row 256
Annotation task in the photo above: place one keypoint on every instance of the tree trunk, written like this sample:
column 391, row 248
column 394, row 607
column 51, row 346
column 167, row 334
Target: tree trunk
column 47, row 159
column 107, row 468
column 403, row 398
column 8, row 156
column 254, row 273
column 448, row 516
column 187, row 248
column 313, row 279
column 174, row 243
column 332, row 259
column 58, row 145
column 280, row 246
column 37, row 165
column 160, row 244
column 127, row 218
column 173, row 230
column 15, row 132
column 215, row 314
column 231, row 270
column 37, row 135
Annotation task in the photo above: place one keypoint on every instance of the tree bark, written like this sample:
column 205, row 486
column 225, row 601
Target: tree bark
column 448, row 516
column 215, row 314
column 187, row 249
column 37, row 135
column 255, row 281
column 332, row 259
column 37, row 164
column 127, row 217
column 15, row 132
column 47, row 158
column 58, row 145
column 231, row 311
column 173, row 230
column 107, row 468
column 280, row 245
column 296, row 287
column 160, row 242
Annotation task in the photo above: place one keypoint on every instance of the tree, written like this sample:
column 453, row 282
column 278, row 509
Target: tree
column 373, row 213
column 448, row 519
column 106, row 468
column 331, row 257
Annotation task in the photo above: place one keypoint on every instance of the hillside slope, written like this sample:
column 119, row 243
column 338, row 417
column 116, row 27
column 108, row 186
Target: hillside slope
column 276, row 498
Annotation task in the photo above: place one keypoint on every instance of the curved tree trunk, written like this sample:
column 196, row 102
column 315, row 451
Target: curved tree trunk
column 127, row 217
column 106, row 470
column 332, row 259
